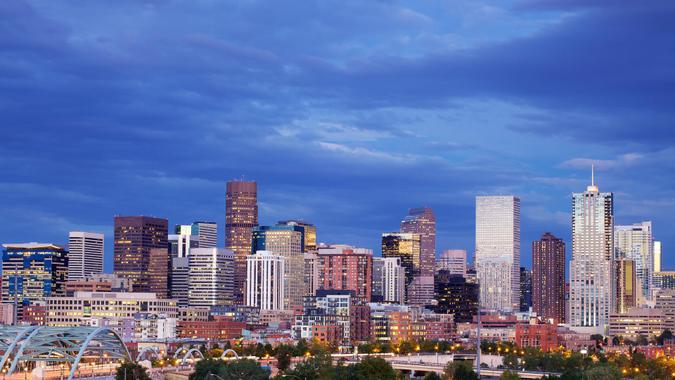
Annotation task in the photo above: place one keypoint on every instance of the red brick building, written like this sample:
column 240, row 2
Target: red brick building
column 35, row 315
column 359, row 323
column 347, row 268
column 328, row 334
column 537, row 335
column 219, row 328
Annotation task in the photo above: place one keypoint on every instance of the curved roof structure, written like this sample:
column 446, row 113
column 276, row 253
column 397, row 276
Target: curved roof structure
column 67, row 345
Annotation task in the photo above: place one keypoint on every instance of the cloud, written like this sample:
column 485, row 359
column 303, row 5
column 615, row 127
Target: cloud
column 628, row 159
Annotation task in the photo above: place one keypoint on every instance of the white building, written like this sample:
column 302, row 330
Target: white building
column 265, row 280
column 635, row 242
column 393, row 280
column 207, row 233
column 181, row 243
column 498, row 252
column 180, row 280
column 210, row 277
column 591, row 280
column 657, row 256
column 453, row 261
column 85, row 254
column 312, row 273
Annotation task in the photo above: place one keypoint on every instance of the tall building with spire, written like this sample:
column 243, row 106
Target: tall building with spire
column 497, row 256
column 591, row 280
column 241, row 216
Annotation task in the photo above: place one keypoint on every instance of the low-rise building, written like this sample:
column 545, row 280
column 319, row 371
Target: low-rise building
column 543, row 336
column 636, row 322
column 220, row 328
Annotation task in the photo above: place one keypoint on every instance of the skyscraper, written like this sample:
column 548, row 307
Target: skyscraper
column 347, row 268
column 422, row 221
column 635, row 242
column 207, row 233
column 85, row 254
column 241, row 215
column 548, row 277
column 265, row 281
column 312, row 271
column 393, row 280
column 405, row 246
column 158, row 272
column 182, row 241
column 456, row 295
column 135, row 236
column 525, row 289
column 308, row 234
column 626, row 285
column 498, row 251
column 657, row 256
column 286, row 241
column 211, row 277
column 453, row 261
column 591, row 283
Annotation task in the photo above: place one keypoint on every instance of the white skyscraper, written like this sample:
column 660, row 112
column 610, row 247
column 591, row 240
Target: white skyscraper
column 211, row 277
column 85, row 254
column 393, row 280
column 498, row 251
column 657, row 256
column 452, row 260
column 265, row 280
column 635, row 242
column 181, row 243
column 591, row 280
column 207, row 233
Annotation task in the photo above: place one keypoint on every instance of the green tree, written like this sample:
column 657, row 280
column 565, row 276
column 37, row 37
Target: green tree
column 131, row 371
column 665, row 335
column 244, row 369
column 459, row 370
column 431, row 376
column 508, row 375
column 204, row 367
column 374, row 369
column 284, row 356
column 572, row 374
column 602, row 372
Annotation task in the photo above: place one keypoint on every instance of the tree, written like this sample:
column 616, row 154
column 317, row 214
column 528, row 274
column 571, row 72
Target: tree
column 284, row 356
column 131, row 371
column 431, row 376
column 602, row 372
column 375, row 369
column 459, row 370
column 244, row 369
column 204, row 367
column 508, row 375
column 642, row 340
column 665, row 335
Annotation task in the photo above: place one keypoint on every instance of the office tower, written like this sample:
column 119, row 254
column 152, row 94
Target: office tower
column 420, row 292
column 308, row 234
column 181, row 242
column 286, row 241
column 211, row 277
column 85, row 254
column 591, row 265
column 179, row 280
column 207, row 233
column 498, row 251
column 241, row 215
column 456, row 295
column 393, row 280
column 422, row 221
column 453, row 261
column 265, row 281
column 627, row 289
column 657, row 256
column 548, row 277
column 664, row 280
column 312, row 273
column 134, row 237
column 665, row 300
column 635, row 242
column 347, row 268
column 158, row 272
column 525, row 289
column 405, row 246
column 31, row 272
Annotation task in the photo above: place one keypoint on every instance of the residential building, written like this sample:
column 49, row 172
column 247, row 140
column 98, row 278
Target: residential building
column 328, row 307
column 497, row 256
column 312, row 271
column 453, row 261
column 636, row 242
column 636, row 322
column 241, row 215
column 377, row 289
column 265, row 281
column 591, row 283
column 135, row 237
column 393, row 280
column 548, row 277
column 85, row 254
column 210, row 277
column 31, row 272
column 456, row 295
column 344, row 267
column 525, row 289
column 420, row 291
column 405, row 246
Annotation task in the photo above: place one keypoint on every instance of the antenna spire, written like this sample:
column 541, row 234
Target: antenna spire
column 592, row 174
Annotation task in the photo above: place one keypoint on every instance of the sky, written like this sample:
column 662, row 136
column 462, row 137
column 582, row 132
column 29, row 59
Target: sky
column 346, row 113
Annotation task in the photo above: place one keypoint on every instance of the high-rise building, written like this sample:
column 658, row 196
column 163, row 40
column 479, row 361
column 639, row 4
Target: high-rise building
column 182, row 241
column 135, row 236
column 525, row 289
column 377, row 291
column 344, row 267
column 498, row 251
column 393, row 280
column 548, row 277
column 591, row 283
column 453, row 261
column 211, row 277
column 241, row 215
column 312, row 273
column 626, row 283
column 286, row 241
column 422, row 221
column 31, row 272
column 657, row 256
column 207, row 233
column 456, row 295
column 85, row 254
column 158, row 272
column 265, row 281
column 179, row 280
column 635, row 242
column 664, row 280
column 309, row 244
column 405, row 246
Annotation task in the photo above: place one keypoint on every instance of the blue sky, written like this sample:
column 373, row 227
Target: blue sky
column 347, row 113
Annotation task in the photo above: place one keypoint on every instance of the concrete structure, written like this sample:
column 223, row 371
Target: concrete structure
column 180, row 280
column 548, row 277
column 31, row 272
column 85, row 254
column 210, row 277
column 665, row 301
column 344, row 267
column 591, row 282
column 657, row 256
column 453, row 261
column 135, row 237
column 182, row 241
column 636, row 242
column 407, row 247
column 498, row 251
column 207, row 233
column 309, row 242
column 393, row 280
column 664, row 280
column 636, row 322
column 241, row 215
column 117, row 284
column 87, row 285
column 265, row 281
column 456, row 295
column 312, row 270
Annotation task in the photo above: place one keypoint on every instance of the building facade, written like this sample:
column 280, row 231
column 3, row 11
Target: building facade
column 498, row 252
column 210, row 277
column 525, row 289
column 453, row 261
column 241, row 215
column 407, row 247
column 627, row 287
column 309, row 243
column 548, row 277
column 456, row 295
column 265, row 281
column 422, row 221
column 85, row 254
column 635, row 242
column 636, row 322
column 344, row 267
